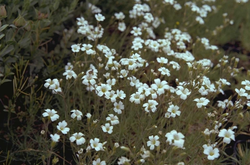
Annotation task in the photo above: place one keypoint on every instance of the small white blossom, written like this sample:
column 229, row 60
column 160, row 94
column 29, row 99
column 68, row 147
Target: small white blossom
column 211, row 152
column 78, row 137
column 76, row 114
column 62, row 127
column 174, row 110
column 51, row 113
column 150, row 106
column 153, row 141
column 95, row 144
column 175, row 138
column 227, row 135
column 119, row 16
column 99, row 17
column 69, row 74
column 121, row 26
column 118, row 107
column 99, row 162
column 201, row 102
column 182, row 92
column 75, row 48
column 55, row 137
column 123, row 160
column 107, row 128
column 113, row 119
column 136, row 31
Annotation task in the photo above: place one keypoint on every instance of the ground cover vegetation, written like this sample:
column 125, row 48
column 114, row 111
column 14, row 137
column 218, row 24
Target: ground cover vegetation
column 125, row 82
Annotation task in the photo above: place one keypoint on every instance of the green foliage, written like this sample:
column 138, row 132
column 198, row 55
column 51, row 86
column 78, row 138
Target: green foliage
column 27, row 31
column 35, row 40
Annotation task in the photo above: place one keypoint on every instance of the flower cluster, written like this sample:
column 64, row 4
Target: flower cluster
column 157, row 85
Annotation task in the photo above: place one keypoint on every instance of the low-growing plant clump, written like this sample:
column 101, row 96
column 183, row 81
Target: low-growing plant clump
column 148, row 85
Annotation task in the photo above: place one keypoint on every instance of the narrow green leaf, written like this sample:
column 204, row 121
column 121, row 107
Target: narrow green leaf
column 13, row 26
column 25, row 42
column 3, row 27
column 73, row 5
column 26, row 4
column 4, row 81
column 1, row 36
column 6, row 50
column 56, row 4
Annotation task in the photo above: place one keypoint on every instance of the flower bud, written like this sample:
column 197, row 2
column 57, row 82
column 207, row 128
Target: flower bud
column 19, row 21
column 55, row 160
column 28, row 25
column 125, row 148
column 3, row 12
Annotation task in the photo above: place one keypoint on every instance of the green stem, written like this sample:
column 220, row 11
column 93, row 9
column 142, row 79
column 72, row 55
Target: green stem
column 63, row 150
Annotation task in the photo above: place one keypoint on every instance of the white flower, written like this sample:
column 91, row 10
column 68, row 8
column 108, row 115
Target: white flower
column 113, row 119
column 76, row 114
column 167, row 115
column 148, row 17
column 118, row 107
column 99, row 162
column 177, row 6
column 150, row 105
column 136, row 98
column 89, row 79
column 107, row 128
column 81, row 21
column 123, row 73
column 75, row 48
column 111, row 95
column 121, row 26
column 171, row 2
column 241, row 1
column 247, row 84
column 136, row 31
column 120, row 94
column 123, row 160
column 175, row 65
column 119, row 16
column 96, row 145
column 51, row 113
column 99, row 17
column 227, row 135
column 182, row 92
column 153, row 141
column 93, row 8
column 211, row 152
column 101, row 90
column 78, row 137
column 62, row 127
column 56, row 89
column 48, row 82
column 69, row 74
column 201, row 102
column 88, row 115
column 69, row 66
column 164, row 71
column 241, row 92
column 136, row 46
column 132, row 64
column 55, row 137
column 162, row 60
column 174, row 110
column 111, row 82
column 145, row 153
column 175, row 138
column 200, row 20
column 51, row 84
column 86, row 47
column 160, row 86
